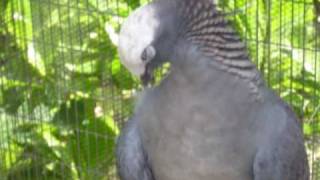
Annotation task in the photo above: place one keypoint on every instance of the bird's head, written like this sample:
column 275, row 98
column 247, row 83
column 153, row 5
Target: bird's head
column 141, row 41
column 167, row 30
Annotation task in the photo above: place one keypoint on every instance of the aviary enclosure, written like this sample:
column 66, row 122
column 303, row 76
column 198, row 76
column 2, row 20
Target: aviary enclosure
column 64, row 95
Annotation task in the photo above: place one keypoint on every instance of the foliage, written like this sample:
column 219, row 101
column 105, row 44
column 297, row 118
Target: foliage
column 62, row 88
column 64, row 94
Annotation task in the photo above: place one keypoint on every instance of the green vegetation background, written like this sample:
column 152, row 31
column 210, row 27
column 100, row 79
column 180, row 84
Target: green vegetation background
column 64, row 94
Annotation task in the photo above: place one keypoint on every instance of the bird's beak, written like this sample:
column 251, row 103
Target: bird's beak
column 147, row 78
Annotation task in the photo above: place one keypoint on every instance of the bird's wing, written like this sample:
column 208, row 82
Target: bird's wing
column 283, row 157
column 280, row 161
column 132, row 160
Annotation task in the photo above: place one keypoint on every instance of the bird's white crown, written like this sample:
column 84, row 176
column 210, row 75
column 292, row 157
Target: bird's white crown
column 137, row 33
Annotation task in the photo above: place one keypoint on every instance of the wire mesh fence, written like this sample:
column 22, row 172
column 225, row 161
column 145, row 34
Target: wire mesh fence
column 64, row 95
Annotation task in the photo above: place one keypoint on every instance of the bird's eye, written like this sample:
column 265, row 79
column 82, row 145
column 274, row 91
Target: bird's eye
column 148, row 53
column 144, row 55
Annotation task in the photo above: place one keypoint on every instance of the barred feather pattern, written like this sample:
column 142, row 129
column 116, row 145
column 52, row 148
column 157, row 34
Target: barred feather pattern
column 209, row 29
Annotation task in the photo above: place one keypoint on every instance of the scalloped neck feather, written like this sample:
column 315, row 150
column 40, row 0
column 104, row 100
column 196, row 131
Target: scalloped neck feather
column 205, row 27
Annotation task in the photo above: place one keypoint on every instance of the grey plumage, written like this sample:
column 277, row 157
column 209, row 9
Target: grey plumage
column 212, row 117
column 131, row 157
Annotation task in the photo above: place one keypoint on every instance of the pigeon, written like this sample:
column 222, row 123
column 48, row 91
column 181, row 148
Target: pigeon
column 211, row 117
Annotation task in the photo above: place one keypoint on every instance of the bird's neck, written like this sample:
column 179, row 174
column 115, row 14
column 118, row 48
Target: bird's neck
column 191, row 67
column 201, row 45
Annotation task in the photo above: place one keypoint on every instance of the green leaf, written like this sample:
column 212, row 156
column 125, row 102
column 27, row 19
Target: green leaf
column 92, row 147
